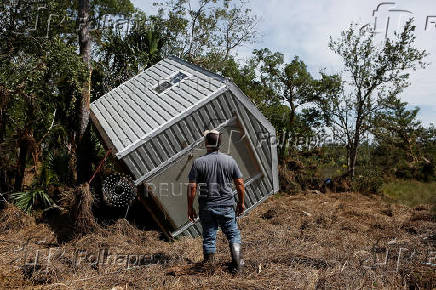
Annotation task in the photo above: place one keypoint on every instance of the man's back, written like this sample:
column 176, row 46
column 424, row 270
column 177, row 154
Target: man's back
column 214, row 173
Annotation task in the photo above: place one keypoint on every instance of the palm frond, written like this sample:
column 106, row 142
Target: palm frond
column 29, row 200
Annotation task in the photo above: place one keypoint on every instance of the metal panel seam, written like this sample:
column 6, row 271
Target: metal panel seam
column 251, row 107
column 258, row 115
column 170, row 122
column 102, row 132
column 176, row 156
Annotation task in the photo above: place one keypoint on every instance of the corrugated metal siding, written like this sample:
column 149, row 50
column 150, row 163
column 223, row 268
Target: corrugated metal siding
column 255, row 131
column 189, row 130
column 130, row 112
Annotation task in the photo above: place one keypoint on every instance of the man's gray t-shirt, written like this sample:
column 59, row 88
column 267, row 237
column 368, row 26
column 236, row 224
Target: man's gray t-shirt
column 214, row 174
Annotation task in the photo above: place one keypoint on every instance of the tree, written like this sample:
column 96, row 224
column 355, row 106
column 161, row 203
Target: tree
column 374, row 73
column 33, row 82
column 291, row 84
column 121, row 56
column 197, row 30
column 397, row 127
column 41, row 80
column 404, row 146
column 33, row 62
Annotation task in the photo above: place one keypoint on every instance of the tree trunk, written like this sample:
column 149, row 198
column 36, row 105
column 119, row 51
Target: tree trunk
column 24, row 146
column 287, row 133
column 4, row 100
column 85, row 52
column 282, row 145
column 352, row 148
column 3, row 182
column 83, row 163
column 84, row 151
column 292, row 116
column 351, row 159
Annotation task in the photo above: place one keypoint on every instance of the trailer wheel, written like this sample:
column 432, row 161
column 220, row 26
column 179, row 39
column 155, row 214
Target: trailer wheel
column 119, row 190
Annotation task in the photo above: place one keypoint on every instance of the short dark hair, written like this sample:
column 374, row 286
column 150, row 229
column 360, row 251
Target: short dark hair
column 213, row 141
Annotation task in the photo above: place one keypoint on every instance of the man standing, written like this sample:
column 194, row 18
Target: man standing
column 213, row 174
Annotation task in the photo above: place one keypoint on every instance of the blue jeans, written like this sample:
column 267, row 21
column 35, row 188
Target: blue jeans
column 210, row 218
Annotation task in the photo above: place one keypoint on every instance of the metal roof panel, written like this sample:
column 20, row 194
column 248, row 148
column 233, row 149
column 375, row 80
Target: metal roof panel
column 135, row 110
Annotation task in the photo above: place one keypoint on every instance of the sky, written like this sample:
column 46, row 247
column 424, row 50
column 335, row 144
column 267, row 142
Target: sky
column 303, row 28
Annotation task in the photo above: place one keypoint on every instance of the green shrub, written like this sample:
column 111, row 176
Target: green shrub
column 367, row 180
column 57, row 167
column 405, row 170
column 422, row 171
column 30, row 200
column 427, row 171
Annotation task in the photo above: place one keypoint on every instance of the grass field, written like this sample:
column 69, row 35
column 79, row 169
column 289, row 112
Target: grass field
column 411, row 192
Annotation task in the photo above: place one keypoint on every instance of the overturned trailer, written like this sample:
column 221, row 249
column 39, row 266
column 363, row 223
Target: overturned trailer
column 153, row 123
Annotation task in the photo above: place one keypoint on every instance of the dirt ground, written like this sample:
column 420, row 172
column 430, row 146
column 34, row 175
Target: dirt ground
column 337, row 240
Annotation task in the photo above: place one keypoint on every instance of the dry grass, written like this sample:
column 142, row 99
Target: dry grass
column 302, row 241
